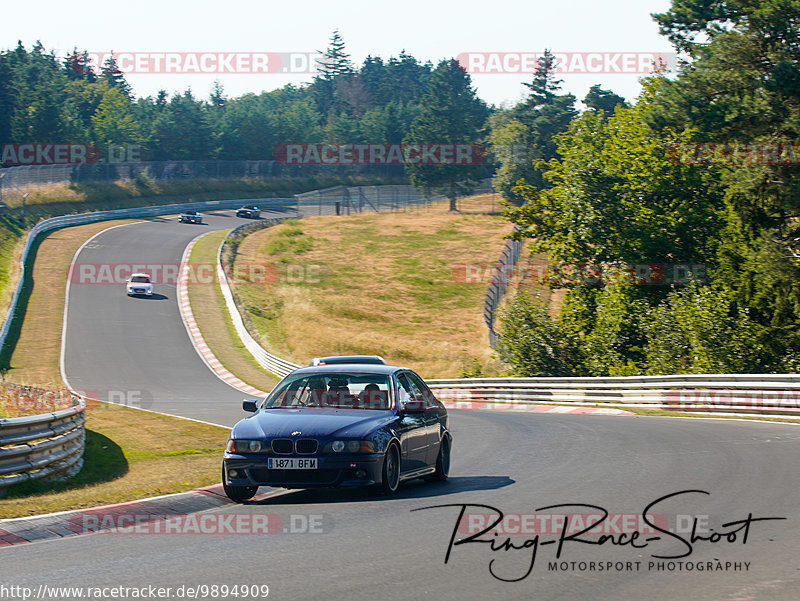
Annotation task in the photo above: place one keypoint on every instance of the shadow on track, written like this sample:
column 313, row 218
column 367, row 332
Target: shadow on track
column 413, row 489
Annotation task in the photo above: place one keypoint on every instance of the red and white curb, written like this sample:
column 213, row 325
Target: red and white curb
column 194, row 331
column 528, row 408
column 105, row 518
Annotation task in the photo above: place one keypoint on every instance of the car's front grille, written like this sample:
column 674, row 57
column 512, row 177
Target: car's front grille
column 306, row 446
column 286, row 446
column 282, row 446
column 266, row 476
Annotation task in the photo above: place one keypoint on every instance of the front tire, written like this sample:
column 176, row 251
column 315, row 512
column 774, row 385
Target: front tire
column 390, row 475
column 237, row 494
column 442, row 462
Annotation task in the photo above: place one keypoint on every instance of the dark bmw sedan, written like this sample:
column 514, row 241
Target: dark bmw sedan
column 344, row 424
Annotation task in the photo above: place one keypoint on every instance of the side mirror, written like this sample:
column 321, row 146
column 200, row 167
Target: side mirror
column 250, row 405
column 413, row 406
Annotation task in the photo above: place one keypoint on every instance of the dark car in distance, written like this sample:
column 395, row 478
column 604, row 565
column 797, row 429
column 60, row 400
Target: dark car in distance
column 250, row 211
column 339, row 425
column 190, row 217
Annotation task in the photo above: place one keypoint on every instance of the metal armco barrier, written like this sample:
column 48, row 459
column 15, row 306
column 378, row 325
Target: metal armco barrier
column 727, row 393
column 55, row 223
column 41, row 446
column 271, row 363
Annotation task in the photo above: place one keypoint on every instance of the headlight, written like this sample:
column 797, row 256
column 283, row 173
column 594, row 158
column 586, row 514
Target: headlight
column 349, row 446
column 242, row 445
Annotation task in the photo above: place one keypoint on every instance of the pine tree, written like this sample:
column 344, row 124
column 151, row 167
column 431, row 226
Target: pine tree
column 335, row 60
column 114, row 77
column 450, row 113
column 544, row 87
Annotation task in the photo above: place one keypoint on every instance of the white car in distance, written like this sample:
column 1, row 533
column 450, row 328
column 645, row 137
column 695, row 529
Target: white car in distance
column 139, row 284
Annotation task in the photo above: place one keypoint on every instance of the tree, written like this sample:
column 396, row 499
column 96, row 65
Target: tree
column 525, row 136
column 598, row 99
column 7, row 99
column 78, row 66
column 182, row 131
column 544, row 86
column 742, row 87
column 113, row 121
column 450, row 113
column 217, row 96
column 114, row 77
column 335, row 60
column 535, row 345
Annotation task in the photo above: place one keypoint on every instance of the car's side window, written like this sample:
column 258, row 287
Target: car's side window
column 403, row 391
column 421, row 390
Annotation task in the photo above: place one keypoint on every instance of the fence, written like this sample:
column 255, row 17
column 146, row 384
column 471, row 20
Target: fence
column 42, row 446
column 355, row 199
column 29, row 176
column 497, row 287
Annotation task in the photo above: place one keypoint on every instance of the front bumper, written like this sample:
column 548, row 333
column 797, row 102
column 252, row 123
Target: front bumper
column 332, row 471
column 140, row 291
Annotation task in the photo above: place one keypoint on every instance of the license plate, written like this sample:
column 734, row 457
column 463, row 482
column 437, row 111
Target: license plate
column 291, row 463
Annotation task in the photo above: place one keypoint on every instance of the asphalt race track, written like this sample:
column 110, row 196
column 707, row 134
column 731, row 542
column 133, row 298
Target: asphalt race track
column 352, row 545
column 135, row 350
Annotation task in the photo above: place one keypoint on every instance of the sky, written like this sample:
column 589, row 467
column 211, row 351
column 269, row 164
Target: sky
column 260, row 46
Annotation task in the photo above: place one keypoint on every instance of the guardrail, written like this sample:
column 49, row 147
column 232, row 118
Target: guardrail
column 727, row 393
column 41, row 446
column 271, row 363
column 55, row 223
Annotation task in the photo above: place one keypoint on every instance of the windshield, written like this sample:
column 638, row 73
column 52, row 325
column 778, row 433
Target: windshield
column 141, row 279
column 340, row 390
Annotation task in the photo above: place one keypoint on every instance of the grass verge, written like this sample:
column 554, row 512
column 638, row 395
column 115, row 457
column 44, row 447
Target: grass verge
column 665, row 413
column 129, row 455
column 212, row 317
column 392, row 284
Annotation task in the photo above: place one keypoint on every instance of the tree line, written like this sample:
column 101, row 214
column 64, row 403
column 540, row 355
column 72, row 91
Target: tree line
column 44, row 99
column 701, row 174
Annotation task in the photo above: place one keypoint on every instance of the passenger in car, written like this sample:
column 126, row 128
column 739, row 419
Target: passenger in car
column 372, row 397
column 316, row 395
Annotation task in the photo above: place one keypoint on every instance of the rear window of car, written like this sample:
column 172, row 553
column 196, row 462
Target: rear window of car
column 340, row 390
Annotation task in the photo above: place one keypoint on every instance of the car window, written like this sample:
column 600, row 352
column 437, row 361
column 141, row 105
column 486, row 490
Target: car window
column 339, row 390
column 421, row 390
column 140, row 279
column 408, row 391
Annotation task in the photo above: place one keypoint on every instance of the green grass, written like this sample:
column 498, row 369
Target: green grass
column 129, row 455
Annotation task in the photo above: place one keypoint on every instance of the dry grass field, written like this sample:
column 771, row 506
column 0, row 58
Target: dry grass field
column 392, row 284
